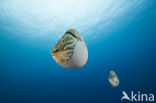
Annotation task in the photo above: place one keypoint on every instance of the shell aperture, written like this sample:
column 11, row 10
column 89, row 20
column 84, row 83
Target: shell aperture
column 70, row 51
column 113, row 79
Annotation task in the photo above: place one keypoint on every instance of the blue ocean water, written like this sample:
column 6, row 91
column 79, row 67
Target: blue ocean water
column 120, row 36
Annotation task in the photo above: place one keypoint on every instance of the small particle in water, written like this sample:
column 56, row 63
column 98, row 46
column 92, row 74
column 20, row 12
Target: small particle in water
column 113, row 79
column 71, row 50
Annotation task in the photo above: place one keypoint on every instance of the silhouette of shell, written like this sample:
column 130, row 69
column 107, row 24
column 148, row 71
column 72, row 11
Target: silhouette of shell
column 71, row 50
column 113, row 79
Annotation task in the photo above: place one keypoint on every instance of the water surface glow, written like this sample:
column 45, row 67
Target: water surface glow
column 51, row 18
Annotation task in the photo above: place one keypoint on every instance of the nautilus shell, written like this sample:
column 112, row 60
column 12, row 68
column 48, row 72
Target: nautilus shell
column 71, row 50
column 113, row 79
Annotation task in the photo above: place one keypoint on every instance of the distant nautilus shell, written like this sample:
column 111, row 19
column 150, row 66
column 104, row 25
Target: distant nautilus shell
column 113, row 79
column 71, row 50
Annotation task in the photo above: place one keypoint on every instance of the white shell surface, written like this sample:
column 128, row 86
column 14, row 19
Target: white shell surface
column 79, row 57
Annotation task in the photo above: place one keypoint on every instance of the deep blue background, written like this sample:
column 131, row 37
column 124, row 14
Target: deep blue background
column 28, row 74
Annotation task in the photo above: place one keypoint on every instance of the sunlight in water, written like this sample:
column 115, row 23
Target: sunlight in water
column 51, row 18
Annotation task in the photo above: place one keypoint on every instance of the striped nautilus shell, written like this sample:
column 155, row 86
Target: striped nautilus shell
column 71, row 50
column 113, row 79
